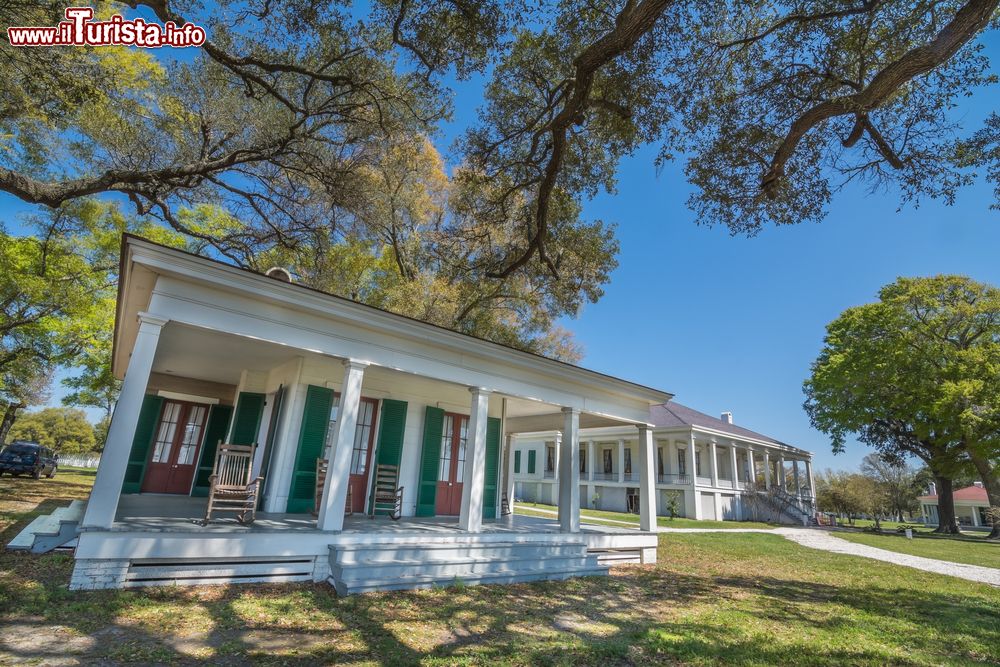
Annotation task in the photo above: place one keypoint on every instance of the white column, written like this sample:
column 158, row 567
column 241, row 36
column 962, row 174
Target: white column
column 795, row 476
column 508, row 470
column 556, row 454
column 331, row 509
column 809, row 476
column 695, row 512
column 621, row 460
column 470, row 518
column 103, row 503
column 781, row 474
column 647, row 479
column 713, row 462
column 751, row 464
column 767, row 469
column 591, row 461
column 569, row 473
column 734, row 464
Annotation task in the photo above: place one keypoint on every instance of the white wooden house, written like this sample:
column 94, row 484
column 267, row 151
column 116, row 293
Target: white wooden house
column 703, row 462
column 211, row 353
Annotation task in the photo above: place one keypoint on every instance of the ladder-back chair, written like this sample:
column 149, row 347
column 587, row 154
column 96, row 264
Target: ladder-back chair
column 231, row 488
column 321, row 468
column 386, row 496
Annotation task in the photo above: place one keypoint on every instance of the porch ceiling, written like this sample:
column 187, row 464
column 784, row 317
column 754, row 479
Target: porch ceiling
column 553, row 421
column 207, row 355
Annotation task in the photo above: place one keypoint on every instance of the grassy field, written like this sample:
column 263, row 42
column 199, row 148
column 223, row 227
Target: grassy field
column 971, row 549
column 750, row 599
column 666, row 522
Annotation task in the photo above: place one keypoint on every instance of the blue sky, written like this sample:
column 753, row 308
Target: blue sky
column 733, row 323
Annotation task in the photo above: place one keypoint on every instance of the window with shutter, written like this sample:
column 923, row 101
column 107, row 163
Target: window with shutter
column 312, row 435
column 149, row 417
column 430, row 460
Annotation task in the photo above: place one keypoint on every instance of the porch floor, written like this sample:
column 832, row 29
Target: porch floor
column 169, row 513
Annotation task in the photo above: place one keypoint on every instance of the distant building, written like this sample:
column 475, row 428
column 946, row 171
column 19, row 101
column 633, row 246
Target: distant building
column 971, row 504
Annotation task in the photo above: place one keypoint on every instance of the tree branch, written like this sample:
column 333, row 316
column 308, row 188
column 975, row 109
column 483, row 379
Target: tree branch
column 972, row 18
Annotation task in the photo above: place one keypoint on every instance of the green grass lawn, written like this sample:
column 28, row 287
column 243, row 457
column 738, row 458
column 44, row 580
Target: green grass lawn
column 666, row 522
column 749, row 599
column 970, row 549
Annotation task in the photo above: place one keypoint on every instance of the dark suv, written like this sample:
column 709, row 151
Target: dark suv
column 28, row 458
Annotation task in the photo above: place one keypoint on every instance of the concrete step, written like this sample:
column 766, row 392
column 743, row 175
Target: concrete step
column 408, row 583
column 385, row 553
column 49, row 531
column 443, row 560
column 447, row 570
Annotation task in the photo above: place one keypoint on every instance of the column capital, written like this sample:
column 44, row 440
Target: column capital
column 356, row 364
column 571, row 411
column 644, row 427
column 151, row 320
column 479, row 391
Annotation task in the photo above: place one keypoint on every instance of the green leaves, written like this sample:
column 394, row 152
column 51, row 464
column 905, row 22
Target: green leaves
column 915, row 373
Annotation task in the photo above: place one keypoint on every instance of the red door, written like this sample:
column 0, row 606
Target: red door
column 173, row 457
column 452, row 465
column 361, row 457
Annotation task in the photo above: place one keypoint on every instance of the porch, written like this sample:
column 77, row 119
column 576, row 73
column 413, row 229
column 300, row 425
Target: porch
column 311, row 382
column 156, row 513
column 158, row 540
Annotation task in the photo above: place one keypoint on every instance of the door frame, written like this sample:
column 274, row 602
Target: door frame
column 185, row 411
column 456, row 444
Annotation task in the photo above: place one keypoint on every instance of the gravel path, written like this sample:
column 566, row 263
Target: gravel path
column 827, row 541
column 821, row 539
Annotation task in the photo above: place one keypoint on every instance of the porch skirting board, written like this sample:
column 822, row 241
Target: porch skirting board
column 521, row 549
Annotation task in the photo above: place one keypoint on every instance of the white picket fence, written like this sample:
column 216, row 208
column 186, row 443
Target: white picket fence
column 80, row 460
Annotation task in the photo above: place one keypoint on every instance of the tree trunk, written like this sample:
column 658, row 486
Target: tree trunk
column 946, row 506
column 991, row 481
column 9, row 415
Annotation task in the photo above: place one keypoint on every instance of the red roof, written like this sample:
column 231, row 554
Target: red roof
column 974, row 493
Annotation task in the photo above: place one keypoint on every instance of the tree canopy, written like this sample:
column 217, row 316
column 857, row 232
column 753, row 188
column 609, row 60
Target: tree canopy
column 64, row 430
column 917, row 374
column 774, row 105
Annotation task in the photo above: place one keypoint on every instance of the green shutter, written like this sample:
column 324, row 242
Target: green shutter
column 531, row 461
column 389, row 449
column 491, row 479
column 517, row 462
column 312, row 437
column 149, row 417
column 218, row 423
column 430, row 461
column 246, row 425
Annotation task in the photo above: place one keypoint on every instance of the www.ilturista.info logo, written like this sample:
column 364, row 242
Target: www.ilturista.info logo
column 79, row 29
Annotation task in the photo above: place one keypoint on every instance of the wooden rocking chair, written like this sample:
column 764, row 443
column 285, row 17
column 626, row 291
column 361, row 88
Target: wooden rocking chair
column 386, row 496
column 321, row 467
column 230, row 487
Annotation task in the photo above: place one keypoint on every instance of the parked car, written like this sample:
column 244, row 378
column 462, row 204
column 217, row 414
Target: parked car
column 28, row 458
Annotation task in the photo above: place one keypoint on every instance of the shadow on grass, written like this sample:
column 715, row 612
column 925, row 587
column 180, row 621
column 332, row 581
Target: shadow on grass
column 640, row 615
column 592, row 621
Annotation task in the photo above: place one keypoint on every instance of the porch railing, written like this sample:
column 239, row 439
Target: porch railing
column 673, row 478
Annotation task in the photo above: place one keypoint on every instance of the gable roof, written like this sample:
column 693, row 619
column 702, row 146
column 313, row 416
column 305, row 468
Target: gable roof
column 672, row 414
column 970, row 493
column 190, row 266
